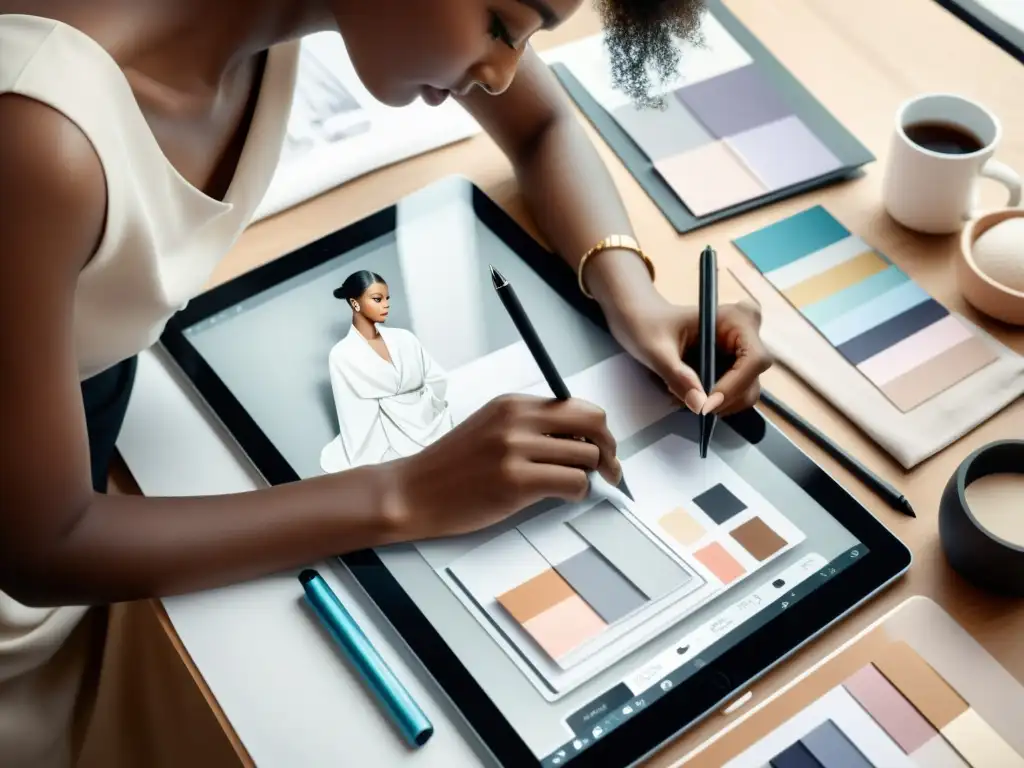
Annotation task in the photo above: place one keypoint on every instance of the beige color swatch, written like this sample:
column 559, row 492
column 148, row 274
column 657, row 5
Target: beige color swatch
column 831, row 281
column 939, row 374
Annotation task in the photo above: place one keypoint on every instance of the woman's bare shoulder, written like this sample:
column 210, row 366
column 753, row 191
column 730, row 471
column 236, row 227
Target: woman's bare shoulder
column 54, row 185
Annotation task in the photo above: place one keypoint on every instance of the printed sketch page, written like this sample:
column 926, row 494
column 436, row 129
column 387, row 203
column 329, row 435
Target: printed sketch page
column 337, row 131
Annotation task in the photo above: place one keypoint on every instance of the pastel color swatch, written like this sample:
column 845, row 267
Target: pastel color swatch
column 709, row 178
column 947, row 712
column 884, row 706
column 717, row 559
column 735, row 101
column 662, row 133
column 889, row 708
column 783, row 153
column 552, row 613
column 727, row 139
column 682, row 526
column 883, row 323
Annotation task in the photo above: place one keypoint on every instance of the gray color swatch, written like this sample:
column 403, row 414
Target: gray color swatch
column 638, row 558
column 832, row 749
column 719, row 503
column 735, row 102
column 663, row 133
column 597, row 581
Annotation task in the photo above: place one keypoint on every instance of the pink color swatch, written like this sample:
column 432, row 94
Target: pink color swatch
column 564, row 626
column 719, row 562
column 918, row 348
column 887, row 706
column 709, row 178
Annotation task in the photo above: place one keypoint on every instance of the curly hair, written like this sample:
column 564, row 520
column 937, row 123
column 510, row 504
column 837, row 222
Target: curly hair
column 641, row 38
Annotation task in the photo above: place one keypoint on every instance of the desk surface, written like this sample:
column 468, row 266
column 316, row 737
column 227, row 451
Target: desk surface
column 861, row 59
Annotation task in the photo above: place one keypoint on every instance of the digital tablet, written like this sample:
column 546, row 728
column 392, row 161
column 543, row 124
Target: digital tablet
column 586, row 633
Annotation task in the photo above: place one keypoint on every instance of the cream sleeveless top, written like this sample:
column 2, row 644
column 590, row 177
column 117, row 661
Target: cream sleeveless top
column 162, row 240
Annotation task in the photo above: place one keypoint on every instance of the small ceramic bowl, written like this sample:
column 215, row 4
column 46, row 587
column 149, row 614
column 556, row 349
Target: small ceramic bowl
column 985, row 294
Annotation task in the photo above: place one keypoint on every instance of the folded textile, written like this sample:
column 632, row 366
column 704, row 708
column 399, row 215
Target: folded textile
column 909, row 437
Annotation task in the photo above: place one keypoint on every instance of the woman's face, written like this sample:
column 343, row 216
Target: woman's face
column 404, row 49
column 374, row 303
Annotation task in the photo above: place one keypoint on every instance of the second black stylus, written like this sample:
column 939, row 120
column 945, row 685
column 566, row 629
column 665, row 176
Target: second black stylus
column 708, row 309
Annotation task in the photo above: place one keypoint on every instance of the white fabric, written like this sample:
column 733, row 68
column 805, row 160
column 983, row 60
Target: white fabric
column 162, row 240
column 909, row 437
column 386, row 410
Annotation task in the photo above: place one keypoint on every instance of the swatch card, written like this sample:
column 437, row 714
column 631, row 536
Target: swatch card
column 724, row 134
column 883, row 323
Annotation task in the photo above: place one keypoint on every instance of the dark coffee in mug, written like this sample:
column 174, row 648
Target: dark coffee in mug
column 944, row 138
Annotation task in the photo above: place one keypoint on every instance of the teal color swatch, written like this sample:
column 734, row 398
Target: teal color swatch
column 786, row 241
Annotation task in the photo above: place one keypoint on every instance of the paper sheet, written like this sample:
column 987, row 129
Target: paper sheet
column 337, row 131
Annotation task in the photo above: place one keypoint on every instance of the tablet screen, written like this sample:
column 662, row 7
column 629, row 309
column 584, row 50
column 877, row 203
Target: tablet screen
column 572, row 618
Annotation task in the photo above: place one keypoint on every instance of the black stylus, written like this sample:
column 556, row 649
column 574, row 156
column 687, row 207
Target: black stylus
column 892, row 497
column 522, row 322
column 708, row 327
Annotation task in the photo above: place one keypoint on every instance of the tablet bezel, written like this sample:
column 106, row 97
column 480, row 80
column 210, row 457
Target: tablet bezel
column 671, row 714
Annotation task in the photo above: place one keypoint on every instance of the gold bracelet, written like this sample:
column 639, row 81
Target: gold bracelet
column 623, row 242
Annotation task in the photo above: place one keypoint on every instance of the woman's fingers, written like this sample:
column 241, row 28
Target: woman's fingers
column 738, row 333
column 563, row 450
column 542, row 481
column 581, row 419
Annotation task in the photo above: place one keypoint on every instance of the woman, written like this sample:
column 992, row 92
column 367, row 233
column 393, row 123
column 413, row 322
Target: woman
column 388, row 391
column 136, row 139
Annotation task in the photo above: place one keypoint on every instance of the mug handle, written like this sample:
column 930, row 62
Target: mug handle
column 1005, row 175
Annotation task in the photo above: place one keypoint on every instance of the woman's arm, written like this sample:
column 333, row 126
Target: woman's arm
column 575, row 203
column 61, row 543
column 569, row 191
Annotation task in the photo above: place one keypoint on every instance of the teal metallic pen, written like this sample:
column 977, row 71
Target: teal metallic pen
column 408, row 718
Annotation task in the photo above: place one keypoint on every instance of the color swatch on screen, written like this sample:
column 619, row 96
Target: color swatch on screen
column 597, row 581
column 758, row 538
column 613, row 565
column 638, row 558
column 682, row 527
column 719, row 503
column 727, row 139
column 526, row 599
column 552, row 612
column 716, row 559
column 883, row 323
column 706, row 513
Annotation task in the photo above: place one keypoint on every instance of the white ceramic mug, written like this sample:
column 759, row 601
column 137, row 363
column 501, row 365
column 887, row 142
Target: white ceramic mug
column 934, row 192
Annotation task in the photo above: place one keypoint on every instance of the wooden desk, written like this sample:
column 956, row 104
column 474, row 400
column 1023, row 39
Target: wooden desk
column 861, row 59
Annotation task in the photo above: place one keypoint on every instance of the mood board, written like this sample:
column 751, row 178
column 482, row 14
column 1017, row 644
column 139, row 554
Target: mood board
column 735, row 129
column 883, row 323
column 913, row 691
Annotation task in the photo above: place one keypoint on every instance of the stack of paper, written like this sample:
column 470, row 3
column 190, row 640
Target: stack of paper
column 337, row 131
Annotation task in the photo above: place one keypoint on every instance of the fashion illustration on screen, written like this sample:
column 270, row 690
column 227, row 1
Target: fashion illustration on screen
column 389, row 393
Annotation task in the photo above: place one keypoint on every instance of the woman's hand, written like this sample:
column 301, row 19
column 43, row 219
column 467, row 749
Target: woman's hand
column 500, row 460
column 660, row 335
